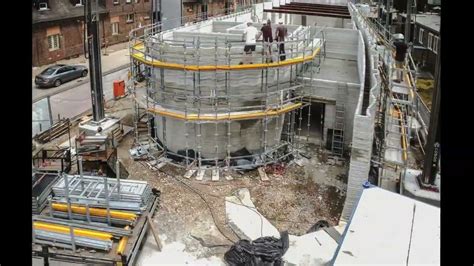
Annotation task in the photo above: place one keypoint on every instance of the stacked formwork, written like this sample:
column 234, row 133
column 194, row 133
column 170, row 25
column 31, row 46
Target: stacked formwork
column 208, row 109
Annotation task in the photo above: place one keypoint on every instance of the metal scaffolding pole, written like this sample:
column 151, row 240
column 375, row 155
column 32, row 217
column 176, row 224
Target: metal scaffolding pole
column 93, row 42
column 432, row 148
column 408, row 21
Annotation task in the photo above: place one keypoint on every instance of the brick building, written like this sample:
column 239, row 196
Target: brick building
column 193, row 9
column 58, row 26
column 425, row 38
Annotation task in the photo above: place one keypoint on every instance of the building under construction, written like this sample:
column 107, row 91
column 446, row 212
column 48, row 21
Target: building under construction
column 204, row 109
column 202, row 105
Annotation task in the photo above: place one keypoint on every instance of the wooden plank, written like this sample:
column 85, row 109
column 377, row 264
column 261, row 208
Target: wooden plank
column 154, row 231
column 200, row 174
column 263, row 174
column 215, row 175
column 190, row 173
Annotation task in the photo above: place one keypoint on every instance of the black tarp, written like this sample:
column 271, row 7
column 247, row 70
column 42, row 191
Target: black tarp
column 262, row 251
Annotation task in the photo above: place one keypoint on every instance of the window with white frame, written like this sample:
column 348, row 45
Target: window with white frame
column 420, row 38
column 430, row 41
column 128, row 1
column 43, row 6
column 79, row 2
column 116, row 2
column 53, row 42
column 435, row 44
column 115, row 28
column 130, row 18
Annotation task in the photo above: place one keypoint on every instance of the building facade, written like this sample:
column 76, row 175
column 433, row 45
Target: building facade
column 196, row 10
column 58, row 30
column 425, row 38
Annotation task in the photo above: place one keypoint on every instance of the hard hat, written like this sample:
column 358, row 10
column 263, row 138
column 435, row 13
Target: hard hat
column 398, row 36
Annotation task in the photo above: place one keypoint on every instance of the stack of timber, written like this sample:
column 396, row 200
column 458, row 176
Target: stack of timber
column 57, row 130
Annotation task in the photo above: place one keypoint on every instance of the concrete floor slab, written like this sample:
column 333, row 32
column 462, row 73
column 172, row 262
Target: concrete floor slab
column 315, row 248
column 244, row 218
column 388, row 228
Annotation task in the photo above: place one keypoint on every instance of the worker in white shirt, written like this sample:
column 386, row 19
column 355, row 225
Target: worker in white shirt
column 250, row 40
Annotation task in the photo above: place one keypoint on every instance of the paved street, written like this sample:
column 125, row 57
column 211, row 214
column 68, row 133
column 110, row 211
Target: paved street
column 117, row 58
column 74, row 101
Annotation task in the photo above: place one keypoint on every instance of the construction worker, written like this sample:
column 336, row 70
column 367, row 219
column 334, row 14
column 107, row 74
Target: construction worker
column 250, row 34
column 280, row 33
column 266, row 30
column 400, row 53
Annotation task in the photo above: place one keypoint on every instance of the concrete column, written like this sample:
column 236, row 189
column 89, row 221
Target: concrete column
column 329, row 118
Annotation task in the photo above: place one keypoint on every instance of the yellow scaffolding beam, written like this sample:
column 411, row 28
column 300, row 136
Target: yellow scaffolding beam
column 225, row 116
column 77, row 231
column 122, row 243
column 95, row 211
column 140, row 56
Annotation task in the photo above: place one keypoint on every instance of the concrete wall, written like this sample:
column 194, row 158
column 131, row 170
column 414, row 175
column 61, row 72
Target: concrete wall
column 213, row 142
column 326, row 91
column 362, row 139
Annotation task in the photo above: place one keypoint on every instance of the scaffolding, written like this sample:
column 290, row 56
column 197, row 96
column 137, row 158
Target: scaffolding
column 398, row 111
column 208, row 105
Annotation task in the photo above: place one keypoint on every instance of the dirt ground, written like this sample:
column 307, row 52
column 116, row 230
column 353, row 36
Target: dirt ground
column 293, row 201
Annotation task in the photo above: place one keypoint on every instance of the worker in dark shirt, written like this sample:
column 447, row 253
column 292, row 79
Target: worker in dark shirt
column 400, row 53
column 267, row 40
column 281, row 33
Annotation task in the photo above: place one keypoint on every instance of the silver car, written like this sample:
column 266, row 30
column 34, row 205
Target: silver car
column 59, row 74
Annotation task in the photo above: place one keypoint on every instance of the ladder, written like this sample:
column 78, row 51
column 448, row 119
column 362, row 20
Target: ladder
column 338, row 130
column 141, row 126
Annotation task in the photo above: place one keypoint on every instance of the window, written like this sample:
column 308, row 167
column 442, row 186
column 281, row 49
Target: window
column 420, row 38
column 430, row 41
column 61, row 70
column 67, row 68
column 80, row 3
column 116, row 2
column 130, row 18
column 43, row 6
column 115, row 28
column 128, row 1
column 435, row 44
column 53, row 42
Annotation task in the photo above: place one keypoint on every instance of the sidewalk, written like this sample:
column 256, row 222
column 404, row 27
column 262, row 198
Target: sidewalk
column 118, row 55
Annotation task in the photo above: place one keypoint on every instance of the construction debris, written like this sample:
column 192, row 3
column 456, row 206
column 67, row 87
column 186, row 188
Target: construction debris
column 316, row 248
column 139, row 152
column 262, row 174
column 55, row 131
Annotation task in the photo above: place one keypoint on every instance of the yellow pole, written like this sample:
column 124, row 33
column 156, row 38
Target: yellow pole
column 122, row 243
column 77, row 231
column 95, row 211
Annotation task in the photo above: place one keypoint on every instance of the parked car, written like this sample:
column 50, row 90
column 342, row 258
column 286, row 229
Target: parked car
column 59, row 74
